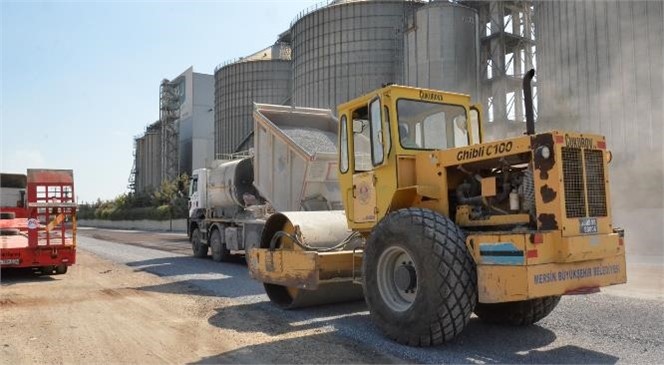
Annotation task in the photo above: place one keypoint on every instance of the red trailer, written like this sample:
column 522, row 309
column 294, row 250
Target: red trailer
column 38, row 220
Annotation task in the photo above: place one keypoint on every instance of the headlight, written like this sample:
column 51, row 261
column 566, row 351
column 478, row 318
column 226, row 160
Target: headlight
column 544, row 152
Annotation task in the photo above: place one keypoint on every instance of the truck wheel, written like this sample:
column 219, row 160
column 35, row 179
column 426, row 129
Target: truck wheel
column 420, row 282
column 61, row 269
column 7, row 215
column 47, row 270
column 200, row 249
column 219, row 251
column 521, row 313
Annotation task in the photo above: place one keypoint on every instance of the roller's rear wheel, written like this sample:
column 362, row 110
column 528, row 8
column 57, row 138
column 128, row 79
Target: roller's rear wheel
column 521, row 313
column 420, row 282
column 199, row 248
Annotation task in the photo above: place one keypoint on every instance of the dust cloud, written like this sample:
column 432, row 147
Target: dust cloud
column 607, row 81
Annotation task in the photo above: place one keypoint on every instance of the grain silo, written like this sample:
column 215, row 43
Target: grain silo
column 601, row 70
column 264, row 77
column 345, row 49
column 441, row 48
column 148, row 158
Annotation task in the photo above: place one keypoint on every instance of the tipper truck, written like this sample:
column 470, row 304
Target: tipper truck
column 292, row 167
column 38, row 221
column 438, row 223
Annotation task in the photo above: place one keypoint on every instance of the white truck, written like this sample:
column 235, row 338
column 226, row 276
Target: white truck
column 293, row 167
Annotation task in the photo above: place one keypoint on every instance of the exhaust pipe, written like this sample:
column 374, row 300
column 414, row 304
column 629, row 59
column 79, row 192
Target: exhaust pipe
column 528, row 100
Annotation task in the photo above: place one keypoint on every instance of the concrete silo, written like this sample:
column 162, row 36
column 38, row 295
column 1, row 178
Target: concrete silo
column 264, row 77
column 345, row 49
column 441, row 48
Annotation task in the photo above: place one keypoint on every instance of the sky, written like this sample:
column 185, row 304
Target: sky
column 80, row 79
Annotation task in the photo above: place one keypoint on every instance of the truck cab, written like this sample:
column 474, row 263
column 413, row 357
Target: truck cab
column 198, row 192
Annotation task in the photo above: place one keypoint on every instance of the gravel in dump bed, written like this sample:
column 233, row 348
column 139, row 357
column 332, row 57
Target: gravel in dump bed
column 312, row 140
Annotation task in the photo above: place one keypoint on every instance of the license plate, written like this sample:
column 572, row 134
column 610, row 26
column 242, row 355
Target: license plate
column 588, row 225
column 10, row 261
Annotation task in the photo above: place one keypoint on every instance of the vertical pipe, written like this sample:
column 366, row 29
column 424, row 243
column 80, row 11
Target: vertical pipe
column 528, row 100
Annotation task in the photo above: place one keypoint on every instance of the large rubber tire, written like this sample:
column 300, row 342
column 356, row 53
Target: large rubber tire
column 47, row 270
column 446, row 277
column 7, row 215
column 200, row 250
column 521, row 313
column 219, row 251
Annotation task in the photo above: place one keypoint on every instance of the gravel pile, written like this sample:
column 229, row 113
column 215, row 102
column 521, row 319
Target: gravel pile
column 313, row 140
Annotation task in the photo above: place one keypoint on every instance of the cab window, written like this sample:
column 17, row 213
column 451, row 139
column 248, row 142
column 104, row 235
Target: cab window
column 424, row 125
column 388, row 131
column 361, row 140
column 193, row 185
column 376, row 133
column 343, row 146
column 475, row 125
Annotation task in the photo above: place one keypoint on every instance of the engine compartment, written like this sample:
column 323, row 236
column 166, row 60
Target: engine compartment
column 493, row 193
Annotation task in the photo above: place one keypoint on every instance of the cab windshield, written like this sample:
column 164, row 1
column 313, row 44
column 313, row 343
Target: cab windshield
column 427, row 126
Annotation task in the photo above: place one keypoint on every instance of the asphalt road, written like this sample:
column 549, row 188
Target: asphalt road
column 598, row 328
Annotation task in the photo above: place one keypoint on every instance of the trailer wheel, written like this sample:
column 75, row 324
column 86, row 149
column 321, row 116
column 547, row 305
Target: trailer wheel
column 200, row 249
column 420, row 282
column 7, row 215
column 219, row 251
column 61, row 269
column 521, row 313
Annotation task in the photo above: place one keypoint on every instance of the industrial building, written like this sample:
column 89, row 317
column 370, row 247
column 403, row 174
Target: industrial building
column 146, row 172
column 183, row 138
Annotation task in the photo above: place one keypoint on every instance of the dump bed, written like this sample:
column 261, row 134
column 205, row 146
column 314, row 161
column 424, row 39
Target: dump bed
column 295, row 165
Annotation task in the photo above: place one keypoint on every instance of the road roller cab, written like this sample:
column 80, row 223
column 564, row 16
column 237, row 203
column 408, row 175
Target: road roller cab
column 440, row 224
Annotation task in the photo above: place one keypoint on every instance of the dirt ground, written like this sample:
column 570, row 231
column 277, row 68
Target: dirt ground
column 160, row 309
column 99, row 313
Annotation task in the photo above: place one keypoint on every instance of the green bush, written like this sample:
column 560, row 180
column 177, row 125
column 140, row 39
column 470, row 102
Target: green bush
column 167, row 202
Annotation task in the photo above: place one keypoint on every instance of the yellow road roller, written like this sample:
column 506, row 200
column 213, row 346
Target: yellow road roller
column 438, row 224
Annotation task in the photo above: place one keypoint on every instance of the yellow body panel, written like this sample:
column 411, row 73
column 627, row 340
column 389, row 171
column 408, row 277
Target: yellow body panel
column 511, row 283
column 364, row 197
column 463, row 219
column 549, row 247
column 512, row 274
column 302, row 269
column 580, row 248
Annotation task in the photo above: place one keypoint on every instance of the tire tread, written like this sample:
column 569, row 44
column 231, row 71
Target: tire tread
column 457, row 292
